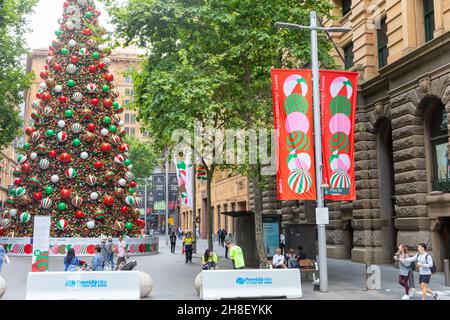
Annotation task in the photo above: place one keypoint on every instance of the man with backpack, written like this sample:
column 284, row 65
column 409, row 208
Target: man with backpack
column 426, row 268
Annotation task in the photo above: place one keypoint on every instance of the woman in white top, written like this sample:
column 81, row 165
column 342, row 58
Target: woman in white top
column 278, row 261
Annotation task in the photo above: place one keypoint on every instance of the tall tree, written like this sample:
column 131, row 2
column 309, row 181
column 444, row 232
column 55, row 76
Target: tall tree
column 142, row 156
column 13, row 78
column 208, row 61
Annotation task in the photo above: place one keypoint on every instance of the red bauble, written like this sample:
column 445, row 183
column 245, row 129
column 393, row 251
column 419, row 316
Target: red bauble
column 98, row 12
column 109, row 77
column 51, row 48
column 79, row 214
column 87, row 31
column 107, row 103
column 26, row 167
column 38, row 95
column 44, row 74
column 63, row 99
column 98, row 164
column 29, row 131
column 57, row 67
column 46, row 67
column 133, row 184
column 65, row 193
column 37, row 196
column 92, row 68
column 46, row 96
column 101, row 65
column 66, row 4
column 2, row 231
column 65, row 157
column 124, row 209
column 52, row 154
column 140, row 223
column 95, row 101
column 74, row 59
column 123, row 147
column 108, row 200
column 91, row 127
column 17, row 181
column 106, row 147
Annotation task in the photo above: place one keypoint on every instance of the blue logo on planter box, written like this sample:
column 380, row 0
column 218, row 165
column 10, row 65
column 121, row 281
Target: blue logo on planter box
column 255, row 280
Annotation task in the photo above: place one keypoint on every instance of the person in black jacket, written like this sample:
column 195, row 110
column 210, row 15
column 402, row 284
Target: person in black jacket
column 173, row 240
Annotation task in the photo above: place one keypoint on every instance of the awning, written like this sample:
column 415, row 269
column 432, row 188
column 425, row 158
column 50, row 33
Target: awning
column 236, row 214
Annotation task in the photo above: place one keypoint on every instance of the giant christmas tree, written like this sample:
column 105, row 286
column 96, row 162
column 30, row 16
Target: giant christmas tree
column 74, row 166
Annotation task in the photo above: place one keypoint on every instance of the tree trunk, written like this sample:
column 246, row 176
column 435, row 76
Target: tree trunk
column 258, row 219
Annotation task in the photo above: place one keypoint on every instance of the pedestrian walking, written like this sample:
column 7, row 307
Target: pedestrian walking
column 3, row 257
column 71, row 262
column 121, row 252
column 426, row 268
column 223, row 235
column 236, row 255
column 111, row 249
column 405, row 270
column 219, row 233
column 188, row 246
column 228, row 238
column 98, row 262
column 209, row 260
column 173, row 240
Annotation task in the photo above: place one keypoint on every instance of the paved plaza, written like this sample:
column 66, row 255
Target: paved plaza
column 173, row 279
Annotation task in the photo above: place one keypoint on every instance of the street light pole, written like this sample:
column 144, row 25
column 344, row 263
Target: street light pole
column 321, row 230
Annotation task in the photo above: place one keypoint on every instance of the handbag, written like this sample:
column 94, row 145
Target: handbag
column 6, row 258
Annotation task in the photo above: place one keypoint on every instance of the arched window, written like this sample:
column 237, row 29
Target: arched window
column 438, row 133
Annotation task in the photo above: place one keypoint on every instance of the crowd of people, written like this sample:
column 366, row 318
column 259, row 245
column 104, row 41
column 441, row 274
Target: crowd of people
column 103, row 259
column 290, row 259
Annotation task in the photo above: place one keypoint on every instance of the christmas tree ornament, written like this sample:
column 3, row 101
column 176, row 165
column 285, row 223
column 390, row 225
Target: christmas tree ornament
column 26, row 146
column 54, row 178
column 124, row 209
column 129, row 200
column 90, row 224
column 48, row 190
column 95, row 55
column 37, row 196
column 112, row 128
column 108, row 200
column 70, row 173
column 36, row 104
column 77, row 97
column 20, row 191
column 71, row 68
column 65, row 157
column 21, row 158
column 12, row 212
column 129, row 176
column 68, row 113
column 79, row 214
column 109, row 176
column 62, row 206
column 58, row 89
column 91, row 180
column 91, row 87
column 84, row 155
column 77, row 201
column 61, row 124
column 33, row 156
column 62, row 224
column 49, row 133
column 94, row 195
column 5, row 224
column 122, row 182
column 92, row 68
column 82, row 51
column 119, row 226
column 61, row 136
column 76, row 128
column 25, row 168
column 104, row 132
column 35, row 136
column 63, row 99
column 106, row 147
column 17, row 181
column 127, row 162
column 64, row 51
column 43, row 86
column 105, row 88
column 106, row 62
column 118, row 159
column 44, row 164
column 106, row 120
column 46, row 203
column 129, row 225
column 34, row 181
column 76, row 142
column 70, row 83
column 72, row 43
column 74, row 59
column 25, row 217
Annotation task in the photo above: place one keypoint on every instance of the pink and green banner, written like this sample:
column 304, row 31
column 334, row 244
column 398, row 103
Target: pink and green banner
column 338, row 107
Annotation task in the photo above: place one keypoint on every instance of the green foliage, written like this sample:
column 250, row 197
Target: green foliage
column 142, row 156
column 13, row 79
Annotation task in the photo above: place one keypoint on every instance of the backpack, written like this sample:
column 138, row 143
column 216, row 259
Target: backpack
column 433, row 267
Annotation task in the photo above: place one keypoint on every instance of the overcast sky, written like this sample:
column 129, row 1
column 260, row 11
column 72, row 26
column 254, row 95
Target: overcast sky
column 44, row 22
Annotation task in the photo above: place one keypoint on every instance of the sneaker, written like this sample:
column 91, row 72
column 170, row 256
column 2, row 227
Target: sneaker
column 435, row 296
column 405, row 297
column 411, row 292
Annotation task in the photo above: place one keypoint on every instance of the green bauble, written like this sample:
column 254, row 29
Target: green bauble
column 48, row 189
column 68, row 113
column 296, row 102
column 106, row 120
column 70, row 83
column 95, row 55
column 131, row 190
column 129, row 225
column 62, row 206
column 64, row 51
column 26, row 146
column 105, row 88
column 340, row 104
column 50, row 133
column 12, row 192
column 58, row 32
column 112, row 128
column 76, row 142
column 88, row 15
column 127, row 162
column 115, row 104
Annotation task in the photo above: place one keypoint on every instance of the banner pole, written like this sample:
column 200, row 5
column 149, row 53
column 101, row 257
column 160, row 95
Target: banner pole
column 321, row 231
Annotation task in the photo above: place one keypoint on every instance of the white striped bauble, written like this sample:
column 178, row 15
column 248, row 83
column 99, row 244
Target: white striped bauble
column 340, row 179
column 20, row 191
column 91, row 180
column 106, row 61
column 61, row 136
column 43, row 85
column 300, row 181
column 71, row 68
column 62, row 224
column 46, row 203
column 118, row 159
column 25, row 217
column 77, row 96
column 36, row 104
column 91, row 87
column 58, row 88
column 21, row 158
column 76, row 128
column 44, row 164
column 82, row 52
column 70, row 173
column 129, row 176
column 129, row 200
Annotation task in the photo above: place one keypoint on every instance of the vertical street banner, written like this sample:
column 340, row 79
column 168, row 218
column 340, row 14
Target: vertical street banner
column 293, row 115
column 184, row 174
column 41, row 243
column 159, row 193
column 338, row 107
column 173, row 191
